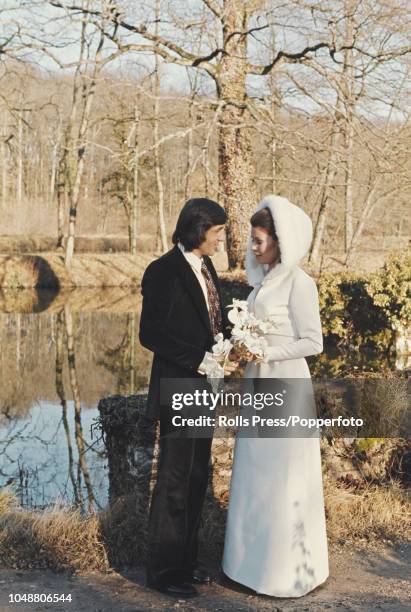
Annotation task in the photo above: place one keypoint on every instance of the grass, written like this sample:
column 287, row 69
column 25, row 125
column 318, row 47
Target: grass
column 63, row 539
column 59, row 538
column 377, row 513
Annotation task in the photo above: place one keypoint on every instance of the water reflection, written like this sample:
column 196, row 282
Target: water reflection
column 42, row 458
column 55, row 367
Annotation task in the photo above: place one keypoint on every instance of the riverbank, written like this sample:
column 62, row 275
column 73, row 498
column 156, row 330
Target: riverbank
column 88, row 270
column 109, row 267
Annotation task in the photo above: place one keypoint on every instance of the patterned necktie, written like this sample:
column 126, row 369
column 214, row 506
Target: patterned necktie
column 213, row 301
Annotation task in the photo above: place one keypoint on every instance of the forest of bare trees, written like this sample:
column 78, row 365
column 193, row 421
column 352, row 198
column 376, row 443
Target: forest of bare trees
column 112, row 114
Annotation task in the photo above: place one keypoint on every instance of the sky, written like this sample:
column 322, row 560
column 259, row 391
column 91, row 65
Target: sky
column 52, row 30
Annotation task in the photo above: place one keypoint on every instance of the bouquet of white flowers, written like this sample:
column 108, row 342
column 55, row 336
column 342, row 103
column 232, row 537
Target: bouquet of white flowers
column 247, row 341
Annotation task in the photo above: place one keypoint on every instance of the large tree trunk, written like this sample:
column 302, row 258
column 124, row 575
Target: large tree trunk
column 236, row 169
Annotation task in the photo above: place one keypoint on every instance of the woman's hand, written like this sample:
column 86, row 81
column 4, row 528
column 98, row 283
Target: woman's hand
column 247, row 357
column 230, row 367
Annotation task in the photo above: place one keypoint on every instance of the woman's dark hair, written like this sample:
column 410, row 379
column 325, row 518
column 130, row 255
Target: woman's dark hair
column 195, row 218
column 263, row 218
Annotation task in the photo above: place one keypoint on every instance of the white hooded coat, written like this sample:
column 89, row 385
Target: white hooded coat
column 276, row 539
column 286, row 292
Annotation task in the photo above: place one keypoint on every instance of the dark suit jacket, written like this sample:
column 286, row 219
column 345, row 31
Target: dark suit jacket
column 174, row 322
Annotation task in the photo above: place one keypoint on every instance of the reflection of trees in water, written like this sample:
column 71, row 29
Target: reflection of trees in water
column 28, row 476
column 121, row 359
column 27, row 358
column 61, row 393
column 93, row 355
column 82, row 468
column 33, row 347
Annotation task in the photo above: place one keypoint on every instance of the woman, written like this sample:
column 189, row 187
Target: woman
column 276, row 539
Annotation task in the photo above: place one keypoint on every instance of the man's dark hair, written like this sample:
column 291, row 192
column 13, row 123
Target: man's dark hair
column 263, row 218
column 195, row 218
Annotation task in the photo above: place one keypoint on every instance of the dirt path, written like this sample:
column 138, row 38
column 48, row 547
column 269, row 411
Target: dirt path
column 359, row 581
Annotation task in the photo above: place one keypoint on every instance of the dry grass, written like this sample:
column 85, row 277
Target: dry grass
column 376, row 513
column 63, row 539
column 18, row 272
column 59, row 538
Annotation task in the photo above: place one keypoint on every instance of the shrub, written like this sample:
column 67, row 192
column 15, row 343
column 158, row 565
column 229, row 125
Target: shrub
column 367, row 312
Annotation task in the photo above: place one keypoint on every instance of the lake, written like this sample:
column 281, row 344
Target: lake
column 59, row 356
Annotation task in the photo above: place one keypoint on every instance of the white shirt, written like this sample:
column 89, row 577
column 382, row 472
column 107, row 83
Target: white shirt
column 195, row 263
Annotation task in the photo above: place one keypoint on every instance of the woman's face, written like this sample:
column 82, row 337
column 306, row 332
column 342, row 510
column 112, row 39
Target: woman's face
column 265, row 248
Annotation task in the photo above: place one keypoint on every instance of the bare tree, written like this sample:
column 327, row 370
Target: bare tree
column 135, row 205
column 290, row 97
column 227, row 62
column 162, row 230
column 88, row 91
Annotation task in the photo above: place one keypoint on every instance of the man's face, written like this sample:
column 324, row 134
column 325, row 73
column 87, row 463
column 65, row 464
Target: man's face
column 213, row 236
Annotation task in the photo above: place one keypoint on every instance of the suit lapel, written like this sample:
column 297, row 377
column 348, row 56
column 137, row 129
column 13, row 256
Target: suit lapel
column 193, row 286
column 217, row 285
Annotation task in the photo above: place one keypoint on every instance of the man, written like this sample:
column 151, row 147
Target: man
column 181, row 314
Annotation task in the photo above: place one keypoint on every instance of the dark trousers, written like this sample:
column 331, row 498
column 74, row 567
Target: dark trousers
column 177, row 503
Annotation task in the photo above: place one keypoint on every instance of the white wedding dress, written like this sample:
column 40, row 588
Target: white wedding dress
column 276, row 541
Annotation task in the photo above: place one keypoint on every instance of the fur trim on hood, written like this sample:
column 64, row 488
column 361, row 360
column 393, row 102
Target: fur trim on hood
column 294, row 230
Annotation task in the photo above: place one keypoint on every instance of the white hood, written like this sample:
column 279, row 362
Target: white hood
column 294, row 230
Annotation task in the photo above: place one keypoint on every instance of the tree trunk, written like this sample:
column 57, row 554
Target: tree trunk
column 349, row 93
column 349, row 141
column 5, row 167
column 236, row 169
column 134, row 220
column 74, row 194
column 366, row 210
column 55, row 162
column 319, row 226
column 66, row 159
column 189, row 163
column 274, row 165
column 162, row 232
column 19, row 178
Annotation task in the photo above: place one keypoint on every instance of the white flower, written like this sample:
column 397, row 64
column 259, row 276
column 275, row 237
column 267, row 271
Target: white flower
column 248, row 332
column 222, row 346
column 256, row 344
column 238, row 334
column 237, row 317
column 240, row 304
column 212, row 368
